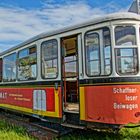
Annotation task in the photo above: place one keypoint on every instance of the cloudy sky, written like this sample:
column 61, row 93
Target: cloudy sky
column 23, row 19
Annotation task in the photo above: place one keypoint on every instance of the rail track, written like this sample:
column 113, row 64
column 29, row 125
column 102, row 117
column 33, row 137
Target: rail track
column 35, row 127
column 43, row 130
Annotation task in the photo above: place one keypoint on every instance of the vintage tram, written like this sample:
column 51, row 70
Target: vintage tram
column 83, row 75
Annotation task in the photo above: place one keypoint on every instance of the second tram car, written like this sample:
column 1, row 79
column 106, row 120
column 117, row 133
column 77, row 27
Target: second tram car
column 88, row 74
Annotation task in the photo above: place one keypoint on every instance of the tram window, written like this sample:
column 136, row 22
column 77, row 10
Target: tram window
column 27, row 64
column 107, row 51
column 9, row 68
column 125, row 35
column 49, row 59
column 92, row 54
column 127, row 61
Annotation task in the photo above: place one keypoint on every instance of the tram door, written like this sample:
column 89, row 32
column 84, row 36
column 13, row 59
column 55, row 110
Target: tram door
column 70, row 74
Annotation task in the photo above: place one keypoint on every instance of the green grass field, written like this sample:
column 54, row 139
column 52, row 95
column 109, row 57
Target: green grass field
column 11, row 132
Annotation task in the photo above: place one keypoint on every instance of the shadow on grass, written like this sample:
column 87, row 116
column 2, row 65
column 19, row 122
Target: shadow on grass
column 123, row 134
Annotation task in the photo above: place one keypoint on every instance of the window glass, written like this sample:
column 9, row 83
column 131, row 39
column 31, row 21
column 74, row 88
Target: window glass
column 49, row 59
column 9, row 68
column 125, row 35
column 92, row 54
column 23, row 53
column 27, row 64
column 107, row 51
column 70, row 66
column 127, row 61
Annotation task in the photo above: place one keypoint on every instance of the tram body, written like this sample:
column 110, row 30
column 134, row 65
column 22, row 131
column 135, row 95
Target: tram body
column 83, row 75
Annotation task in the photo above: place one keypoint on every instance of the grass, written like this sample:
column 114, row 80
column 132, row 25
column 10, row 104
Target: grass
column 12, row 132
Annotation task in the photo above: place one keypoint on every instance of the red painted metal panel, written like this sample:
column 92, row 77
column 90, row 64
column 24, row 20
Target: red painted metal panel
column 14, row 96
column 118, row 104
column 50, row 99
column 23, row 97
column 27, row 97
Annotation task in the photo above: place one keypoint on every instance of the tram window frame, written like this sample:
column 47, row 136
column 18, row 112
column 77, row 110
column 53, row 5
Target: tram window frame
column 42, row 67
column 126, row 46
column 134, row 57
column 126, row 43
column 102, row 48
column 3, row 67
column 99, row 59
column 27, row 56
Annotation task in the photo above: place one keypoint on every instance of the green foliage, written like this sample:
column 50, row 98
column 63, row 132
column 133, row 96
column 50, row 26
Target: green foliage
column 12, row 132
column 30, row 60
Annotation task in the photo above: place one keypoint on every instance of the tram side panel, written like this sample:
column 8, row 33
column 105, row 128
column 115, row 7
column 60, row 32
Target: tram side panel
column 114, row 104
column 41, row 102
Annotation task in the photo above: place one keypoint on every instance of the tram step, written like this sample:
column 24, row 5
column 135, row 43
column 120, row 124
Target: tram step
column 74, row 112
column 72, row 126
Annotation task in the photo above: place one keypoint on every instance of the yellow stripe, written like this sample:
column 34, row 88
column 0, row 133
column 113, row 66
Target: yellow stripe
column 56, row 103
column 37, row 112
column 82, row 103
column 30, row 111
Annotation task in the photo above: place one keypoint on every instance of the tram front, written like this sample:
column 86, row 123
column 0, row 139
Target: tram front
column 112, row 91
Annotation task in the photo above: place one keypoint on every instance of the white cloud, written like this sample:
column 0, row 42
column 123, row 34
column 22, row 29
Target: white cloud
column 18, row 24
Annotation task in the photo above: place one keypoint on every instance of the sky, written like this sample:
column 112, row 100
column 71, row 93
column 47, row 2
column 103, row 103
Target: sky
column 23, row 19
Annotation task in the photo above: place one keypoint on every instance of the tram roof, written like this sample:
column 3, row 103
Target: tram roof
column 101, row 19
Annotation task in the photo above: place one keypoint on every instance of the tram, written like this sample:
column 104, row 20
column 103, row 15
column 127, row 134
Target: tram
column 83, row 75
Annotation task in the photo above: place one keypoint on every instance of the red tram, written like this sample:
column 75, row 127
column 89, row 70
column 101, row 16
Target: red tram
column 88, row 74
